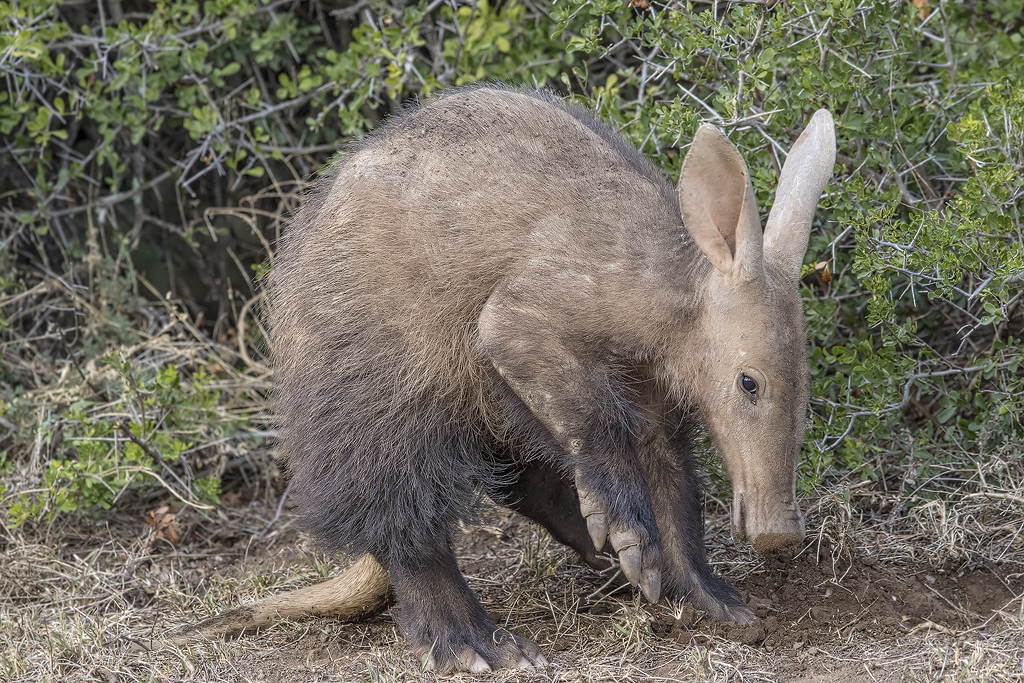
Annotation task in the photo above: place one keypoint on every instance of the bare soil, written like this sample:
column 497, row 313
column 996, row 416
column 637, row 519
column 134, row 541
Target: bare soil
column 852, row 604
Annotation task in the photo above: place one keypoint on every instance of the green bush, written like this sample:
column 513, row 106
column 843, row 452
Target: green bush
column 113, row 453
column 152, row 152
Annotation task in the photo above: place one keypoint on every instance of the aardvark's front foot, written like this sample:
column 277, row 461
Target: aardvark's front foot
column 638, row 547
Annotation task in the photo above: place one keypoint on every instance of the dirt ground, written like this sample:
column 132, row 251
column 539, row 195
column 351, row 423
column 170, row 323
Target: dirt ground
column 860, row 601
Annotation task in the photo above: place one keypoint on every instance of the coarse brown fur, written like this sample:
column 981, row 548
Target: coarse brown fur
column 495, row 294
column 376, row 354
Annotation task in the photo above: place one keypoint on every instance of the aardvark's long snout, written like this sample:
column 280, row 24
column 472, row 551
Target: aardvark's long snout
column 769, row 525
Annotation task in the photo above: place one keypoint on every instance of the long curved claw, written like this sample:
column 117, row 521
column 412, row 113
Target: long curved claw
column 640, row 561
column 639, row 564
column 595, row 512
column 479, row 665
column 627, row 544
column 650, row 584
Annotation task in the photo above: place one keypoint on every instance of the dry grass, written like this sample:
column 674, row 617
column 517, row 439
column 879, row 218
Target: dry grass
column 74, row 598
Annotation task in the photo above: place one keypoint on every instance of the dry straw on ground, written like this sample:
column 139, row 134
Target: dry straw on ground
column 934, row 594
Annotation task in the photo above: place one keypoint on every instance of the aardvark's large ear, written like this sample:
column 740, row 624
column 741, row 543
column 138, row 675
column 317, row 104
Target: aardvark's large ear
column 717, row 203
column 808, row 167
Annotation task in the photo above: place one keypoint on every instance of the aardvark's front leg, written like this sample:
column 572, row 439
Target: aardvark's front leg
column 578, row 398
column 666, row 454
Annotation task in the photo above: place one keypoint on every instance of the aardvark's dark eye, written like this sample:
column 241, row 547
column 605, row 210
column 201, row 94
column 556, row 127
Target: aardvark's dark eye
column 749, row 385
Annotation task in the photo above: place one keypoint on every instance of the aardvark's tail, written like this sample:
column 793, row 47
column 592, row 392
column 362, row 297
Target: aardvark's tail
column 360, row 592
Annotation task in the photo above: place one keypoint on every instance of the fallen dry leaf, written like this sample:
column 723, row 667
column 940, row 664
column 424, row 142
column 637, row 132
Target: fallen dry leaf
column 162, row 518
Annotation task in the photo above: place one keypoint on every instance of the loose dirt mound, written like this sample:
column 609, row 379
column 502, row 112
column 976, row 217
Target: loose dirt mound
column 803, row 606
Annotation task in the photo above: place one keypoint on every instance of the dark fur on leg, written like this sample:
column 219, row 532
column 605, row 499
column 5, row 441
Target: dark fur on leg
column 375, row 471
